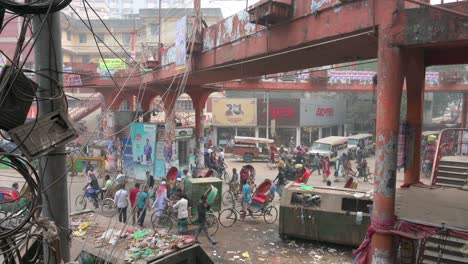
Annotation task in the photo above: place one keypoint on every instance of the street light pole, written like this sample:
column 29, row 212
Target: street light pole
column 267, row 113
column 48, row 62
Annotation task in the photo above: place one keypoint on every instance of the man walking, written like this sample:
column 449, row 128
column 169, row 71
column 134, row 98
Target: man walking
column 133, row 198
column 202, row 208
column 120, row 199
column 316, row 164
column 142, row 204
column 149, row 180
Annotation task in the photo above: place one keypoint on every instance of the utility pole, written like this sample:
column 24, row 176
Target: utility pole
column 267, row 113
column 48, row 61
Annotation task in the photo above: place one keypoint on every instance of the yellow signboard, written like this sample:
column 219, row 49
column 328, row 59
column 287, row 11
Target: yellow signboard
column 234, row 112
column 112, row 64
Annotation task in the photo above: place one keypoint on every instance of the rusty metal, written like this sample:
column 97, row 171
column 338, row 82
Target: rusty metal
column 443, row 9
column 270, row 13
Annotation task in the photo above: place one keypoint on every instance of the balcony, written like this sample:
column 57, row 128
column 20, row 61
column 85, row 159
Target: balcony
column 270, row 12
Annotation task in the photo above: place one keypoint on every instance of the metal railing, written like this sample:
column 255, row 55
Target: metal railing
column 83, row 107
column 452, row 142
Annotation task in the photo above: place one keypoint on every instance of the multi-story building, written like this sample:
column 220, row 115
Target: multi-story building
column 101, row 7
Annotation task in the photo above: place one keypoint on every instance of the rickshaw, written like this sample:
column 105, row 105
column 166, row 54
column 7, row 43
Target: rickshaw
column 260, row 206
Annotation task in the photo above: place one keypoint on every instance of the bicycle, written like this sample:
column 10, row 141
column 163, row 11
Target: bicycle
column 108, row 207
column 163, row 219
column 230, row 196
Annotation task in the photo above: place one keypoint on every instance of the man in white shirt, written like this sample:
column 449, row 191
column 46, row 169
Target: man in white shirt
column 182, row 214
column 121, row 200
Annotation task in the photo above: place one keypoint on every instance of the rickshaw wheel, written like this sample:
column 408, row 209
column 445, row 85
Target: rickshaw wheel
column 161, row 222
column 270, row 214
column 80, row 202
column 212, row 224
column 228, row 198
column 227, row 217
column 108, row 207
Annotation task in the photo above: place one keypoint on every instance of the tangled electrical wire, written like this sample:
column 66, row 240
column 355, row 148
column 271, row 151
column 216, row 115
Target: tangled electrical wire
column 19, row 212
column 35, row 7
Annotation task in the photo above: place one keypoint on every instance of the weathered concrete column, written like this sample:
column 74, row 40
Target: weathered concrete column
column 199, row 97
column 169, row 101
column 464, row 114
column 415, row 72
column 147, row 106
column 389, row 91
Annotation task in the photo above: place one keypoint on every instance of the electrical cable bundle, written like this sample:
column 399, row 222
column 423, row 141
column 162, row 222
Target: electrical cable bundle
column 20, row 214
column 34, row 8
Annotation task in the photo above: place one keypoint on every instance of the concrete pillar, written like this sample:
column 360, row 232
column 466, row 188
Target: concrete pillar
column 298, row 136
column 256, row 132
column 340, row 130
column 320, row 132
column 464, row 114
column 389, row 91
column 169, row 101
column 199, row 97
column 415, row 73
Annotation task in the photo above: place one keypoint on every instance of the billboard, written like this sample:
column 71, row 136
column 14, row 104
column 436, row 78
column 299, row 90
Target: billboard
column 321, row 112
column 181, row 43
column 143, row 138
column 285, row 112
column 112, row 64
column 234, row 112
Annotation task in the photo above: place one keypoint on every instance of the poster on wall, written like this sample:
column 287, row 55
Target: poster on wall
column 234, row 112
column 143, row 138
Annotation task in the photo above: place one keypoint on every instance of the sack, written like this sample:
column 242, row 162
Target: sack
column 336, row 174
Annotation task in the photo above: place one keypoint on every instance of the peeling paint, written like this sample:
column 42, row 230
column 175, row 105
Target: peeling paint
column 208, row 42
column 386, row 166
column 381, row 256
column 317, row 4
column 338, row 9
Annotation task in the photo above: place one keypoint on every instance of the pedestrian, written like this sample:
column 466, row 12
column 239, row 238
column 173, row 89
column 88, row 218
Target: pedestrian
column 161, row 200
column 291, row 144
column 234, row 182
column 246, row 197
column 182, row 214
column 133, row 195
column 120, row 199
column 280, row 180
column 316, row 164
column 326, row 169
column 107, row 186
column 149, row 180
column 90, row 173
column 142, row 204
column 202, row 208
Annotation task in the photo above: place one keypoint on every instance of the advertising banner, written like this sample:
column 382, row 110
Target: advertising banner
column 285, row 111
column 112, row 64
column 321, row 112
column 234, row 112
column 182, row 133
column 181, row 43
column 143, row 138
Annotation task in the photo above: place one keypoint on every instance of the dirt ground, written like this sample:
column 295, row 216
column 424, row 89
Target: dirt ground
column 254, row 237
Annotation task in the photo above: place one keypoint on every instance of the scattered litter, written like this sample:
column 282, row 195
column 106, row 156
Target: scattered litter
column 261, row 259
column 332, row 250
column 246, row 255
column 272, row 244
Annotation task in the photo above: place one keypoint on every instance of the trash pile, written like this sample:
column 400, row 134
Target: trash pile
column 306, row 199
column 150, row 243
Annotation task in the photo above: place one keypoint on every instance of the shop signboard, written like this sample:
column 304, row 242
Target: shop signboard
column 182, row 133
column 319, row 112
column 284, row 111
column 235, row 112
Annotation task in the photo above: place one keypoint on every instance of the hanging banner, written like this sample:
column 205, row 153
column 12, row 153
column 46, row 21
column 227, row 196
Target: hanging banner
column 181, row 43
column 112, row 64
column 234, row 112
column 143, row 138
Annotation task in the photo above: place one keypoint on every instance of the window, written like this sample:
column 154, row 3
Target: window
column 82, row 37
column 355, row 205
column 85, row 59
column 69, row 35
column 126, row 38
column 124, row 106
column 154, row 28
column 100, row 37
column 183, row 153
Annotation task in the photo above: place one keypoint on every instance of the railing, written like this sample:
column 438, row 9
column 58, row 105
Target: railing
column 452, row 142
column 83, row 107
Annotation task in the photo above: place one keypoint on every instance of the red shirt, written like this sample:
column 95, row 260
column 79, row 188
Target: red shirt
column 133, row 194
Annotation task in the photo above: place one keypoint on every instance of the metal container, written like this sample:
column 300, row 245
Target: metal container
column 331, row 215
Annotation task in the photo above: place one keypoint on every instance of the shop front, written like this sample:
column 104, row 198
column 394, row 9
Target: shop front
column 283, row 119
column 233, row 117
column 320, row 117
